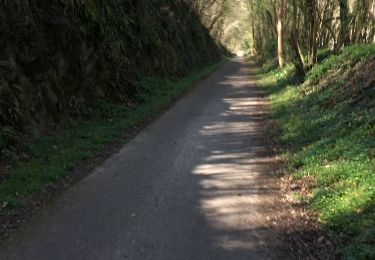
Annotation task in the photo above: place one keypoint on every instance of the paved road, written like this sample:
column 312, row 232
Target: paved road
column 189, row 186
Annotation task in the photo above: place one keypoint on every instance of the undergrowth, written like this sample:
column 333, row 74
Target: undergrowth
column 328, row 134
column 51, row 157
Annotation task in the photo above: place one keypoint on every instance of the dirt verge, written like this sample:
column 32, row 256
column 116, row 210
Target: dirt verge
column 293, row 219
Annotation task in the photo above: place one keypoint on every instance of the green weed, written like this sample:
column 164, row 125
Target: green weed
column 329, row 138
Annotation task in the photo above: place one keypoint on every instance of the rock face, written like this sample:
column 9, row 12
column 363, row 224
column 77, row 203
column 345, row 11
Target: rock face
column 58, row 57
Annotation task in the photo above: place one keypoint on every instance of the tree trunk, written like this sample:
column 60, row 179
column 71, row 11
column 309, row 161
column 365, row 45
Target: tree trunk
column 313, row 33
column 344, row 23
column 280, row 32
column 297, row 54
column 297, row 58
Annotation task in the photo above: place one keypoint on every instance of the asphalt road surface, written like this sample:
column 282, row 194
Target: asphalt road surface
column 192, row 185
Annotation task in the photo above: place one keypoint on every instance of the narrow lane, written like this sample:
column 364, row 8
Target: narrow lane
column 189, row 186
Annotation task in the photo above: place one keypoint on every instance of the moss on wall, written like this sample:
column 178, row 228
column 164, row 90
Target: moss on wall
column 58, row 58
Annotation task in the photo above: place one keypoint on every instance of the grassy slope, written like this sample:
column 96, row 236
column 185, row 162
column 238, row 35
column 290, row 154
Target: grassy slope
column 327, row 123
column 51, row 157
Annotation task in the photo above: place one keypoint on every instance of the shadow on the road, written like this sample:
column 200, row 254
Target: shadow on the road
column 196, row 184
column 234, row 176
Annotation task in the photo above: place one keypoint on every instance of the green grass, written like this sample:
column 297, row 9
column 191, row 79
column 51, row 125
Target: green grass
column 52, row 157
column 350, row 56
column 327, row 137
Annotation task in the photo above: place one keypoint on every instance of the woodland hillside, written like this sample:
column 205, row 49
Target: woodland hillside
column 318, row 69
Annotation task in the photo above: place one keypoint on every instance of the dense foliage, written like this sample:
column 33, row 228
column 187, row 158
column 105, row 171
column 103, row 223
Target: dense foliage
column 60, row 57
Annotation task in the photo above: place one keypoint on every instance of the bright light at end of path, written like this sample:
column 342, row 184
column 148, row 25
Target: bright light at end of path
column 240, row 53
